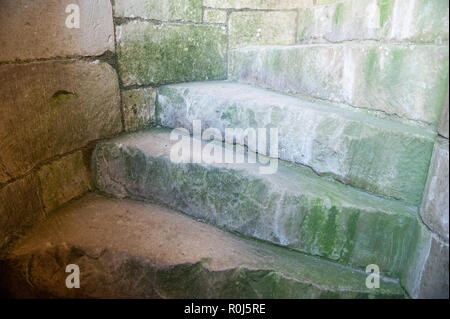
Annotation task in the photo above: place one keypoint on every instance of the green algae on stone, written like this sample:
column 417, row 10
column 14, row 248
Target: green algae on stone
column 337, row 17
column 155, row 54
column 384, row 11
column 61, row 97
column 293, row 207
column 396, row 81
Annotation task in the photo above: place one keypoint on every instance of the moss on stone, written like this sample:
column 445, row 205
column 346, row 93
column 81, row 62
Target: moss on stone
column 338, row 14
column 385, row 7
column 156, row 54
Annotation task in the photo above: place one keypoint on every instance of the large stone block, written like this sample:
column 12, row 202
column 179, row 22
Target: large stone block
column 51, row 108
column 165, row 10
column 63, row 180
column 139, row 108
column 127, row 249
column 435, row 201
column 257, row 4
column 426, row 273
column 343, row 21
column 419, row 21
column 155, row 54
column 409, row 81
column 37, row 29
column 292, row 207
column 20, row 207
column 262, row 28
column 353, row 146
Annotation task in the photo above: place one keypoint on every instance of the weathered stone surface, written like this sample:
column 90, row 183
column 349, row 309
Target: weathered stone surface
column 435, row 201
column 166, row 53
column 343, row 21
column 419, row 21
column 20, row 207
column 293, row 207
column 426, row 273
column 257, row 4
column 355, row 147
column 214, row 16
column 167, row 10
column 443, row 125
column 37, row 29
column 127, row 249
column 139, row 108
column 63, row 180
column 410, row 81
column 262, row 28
column 50, row 108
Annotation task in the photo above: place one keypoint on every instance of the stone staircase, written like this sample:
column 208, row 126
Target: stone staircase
column 354, row 90
column 344, row 196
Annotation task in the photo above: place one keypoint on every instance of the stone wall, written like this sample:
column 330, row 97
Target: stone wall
column 59, row 94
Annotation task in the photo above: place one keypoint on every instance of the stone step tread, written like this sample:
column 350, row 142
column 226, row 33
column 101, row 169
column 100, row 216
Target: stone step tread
column 294, row 207
column 377, row 153
column 132, row 249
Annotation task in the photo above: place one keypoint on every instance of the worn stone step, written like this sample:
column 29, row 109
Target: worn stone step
column 379, row 155
column 292, row 207
column 406, row 80
column 127, row 249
